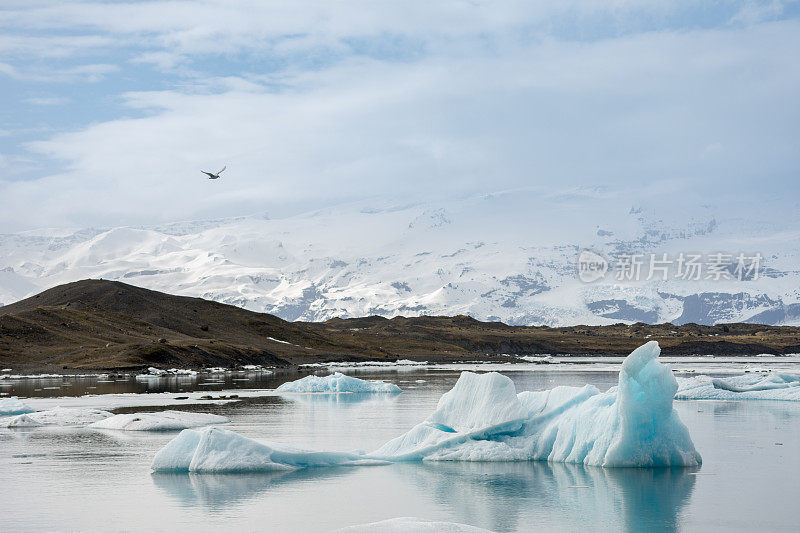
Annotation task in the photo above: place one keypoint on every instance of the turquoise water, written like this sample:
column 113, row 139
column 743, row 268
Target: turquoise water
column 91, row 480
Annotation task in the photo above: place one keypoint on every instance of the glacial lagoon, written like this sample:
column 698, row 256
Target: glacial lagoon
column 60, row 478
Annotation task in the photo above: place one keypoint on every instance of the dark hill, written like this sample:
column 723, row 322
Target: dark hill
column 107, row 324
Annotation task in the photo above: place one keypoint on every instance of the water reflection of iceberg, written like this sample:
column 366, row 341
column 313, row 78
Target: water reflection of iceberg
column 217, row 492
column 341, row 399
column 502, row 496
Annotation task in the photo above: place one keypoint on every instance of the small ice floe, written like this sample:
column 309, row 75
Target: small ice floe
column 753, row 386
column 411, row 525
column 21, row 421
column 336, row 383
column 160, row 421
column 538, row 359
column 37, row 376
column 58, row 416
column 215, row 450
column 13, row 406
column 483, row 418
column 256, row 369
column 154, row 372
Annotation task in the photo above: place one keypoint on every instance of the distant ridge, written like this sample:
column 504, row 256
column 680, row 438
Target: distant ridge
column 103, row 324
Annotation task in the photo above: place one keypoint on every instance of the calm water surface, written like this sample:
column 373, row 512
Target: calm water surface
column 66, row 479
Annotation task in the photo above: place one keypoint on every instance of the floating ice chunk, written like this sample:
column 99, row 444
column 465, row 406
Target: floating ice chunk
column 630, row 425
column 161, row 421
column 13, row 406
column 483, row 419
column 217, row 450
column 411, row 525
column 158, row 372
column 772, row 386
column 61, row 416
column 256, row 368
column 337, row 382
column 21, row 421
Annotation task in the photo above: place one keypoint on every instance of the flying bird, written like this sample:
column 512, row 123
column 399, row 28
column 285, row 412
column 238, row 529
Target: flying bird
column 213, row 176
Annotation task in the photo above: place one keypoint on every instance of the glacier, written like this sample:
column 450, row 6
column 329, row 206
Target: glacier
column 483, row 418
column 761, row 386
column 474, row 256
column 160, row 421
column 13, row 406
column 336, row 383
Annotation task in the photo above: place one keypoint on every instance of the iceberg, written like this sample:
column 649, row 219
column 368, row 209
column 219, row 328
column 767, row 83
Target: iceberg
column 162, row 421
column 20, row 421
column 761, row 386
column 336, row 383
column 215, row 450
column 483, row 418
column 154, row 372
column 58, row 416
column 411, row 525
column 13, row 406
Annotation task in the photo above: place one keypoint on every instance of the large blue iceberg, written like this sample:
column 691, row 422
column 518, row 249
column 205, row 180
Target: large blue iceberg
column 483, row 418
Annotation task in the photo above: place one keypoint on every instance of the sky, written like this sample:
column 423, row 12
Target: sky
column 111, row 109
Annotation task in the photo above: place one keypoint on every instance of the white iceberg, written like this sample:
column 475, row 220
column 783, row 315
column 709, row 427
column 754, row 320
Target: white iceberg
column 336, row 383
column 215, row 450
column 13, row 406
column 484, row 419
column 58, row 416
column 411, row 525
column 20, row 421
column 161, row 421
column 761, row 386
column 160, row 373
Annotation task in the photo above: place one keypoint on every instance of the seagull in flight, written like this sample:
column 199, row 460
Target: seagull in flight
column 213, row 176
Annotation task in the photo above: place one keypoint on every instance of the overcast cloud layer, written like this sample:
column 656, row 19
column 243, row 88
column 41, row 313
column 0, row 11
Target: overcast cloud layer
column 111, row 109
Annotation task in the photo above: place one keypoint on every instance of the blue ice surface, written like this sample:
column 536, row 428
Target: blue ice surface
column 13, row 406
column 483, row 418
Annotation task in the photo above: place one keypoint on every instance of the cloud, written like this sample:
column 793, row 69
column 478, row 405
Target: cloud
column 91, row 73
column 321, row 102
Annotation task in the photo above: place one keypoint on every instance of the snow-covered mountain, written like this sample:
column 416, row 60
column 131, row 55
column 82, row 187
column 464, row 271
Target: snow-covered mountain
column 507, row 256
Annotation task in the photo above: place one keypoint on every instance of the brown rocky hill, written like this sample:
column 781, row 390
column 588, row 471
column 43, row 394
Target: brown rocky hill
column 98, row 324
